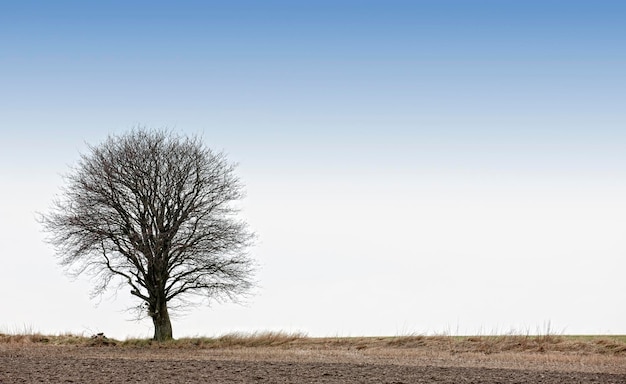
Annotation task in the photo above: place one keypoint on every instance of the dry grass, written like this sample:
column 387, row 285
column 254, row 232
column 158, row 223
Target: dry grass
column 604, row 345
column 231, row 340
column 612, row 345
column 38, row 338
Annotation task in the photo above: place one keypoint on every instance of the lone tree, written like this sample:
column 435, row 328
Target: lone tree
column 155, row 211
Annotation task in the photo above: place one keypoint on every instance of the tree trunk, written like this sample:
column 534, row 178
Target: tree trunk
column 162, row 323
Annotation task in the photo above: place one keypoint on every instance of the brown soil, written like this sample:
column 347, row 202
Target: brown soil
column 36, row 363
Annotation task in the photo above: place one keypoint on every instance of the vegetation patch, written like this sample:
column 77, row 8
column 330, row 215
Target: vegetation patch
column 583, row 345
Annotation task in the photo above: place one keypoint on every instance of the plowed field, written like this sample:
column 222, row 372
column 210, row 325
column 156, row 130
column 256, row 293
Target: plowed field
column 109, row 364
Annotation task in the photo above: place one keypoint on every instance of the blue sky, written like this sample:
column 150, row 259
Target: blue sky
column 447, row 163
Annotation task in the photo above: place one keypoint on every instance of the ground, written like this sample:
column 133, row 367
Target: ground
column 294, row 363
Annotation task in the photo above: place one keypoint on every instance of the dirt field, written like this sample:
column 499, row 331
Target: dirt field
column 354, row 363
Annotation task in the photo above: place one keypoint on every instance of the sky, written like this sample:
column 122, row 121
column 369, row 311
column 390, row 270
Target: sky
column 411, row 167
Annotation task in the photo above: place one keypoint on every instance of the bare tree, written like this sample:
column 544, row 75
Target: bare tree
column 155, row 211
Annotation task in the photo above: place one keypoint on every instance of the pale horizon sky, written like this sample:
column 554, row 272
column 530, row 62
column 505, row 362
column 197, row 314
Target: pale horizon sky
column 410, row 166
